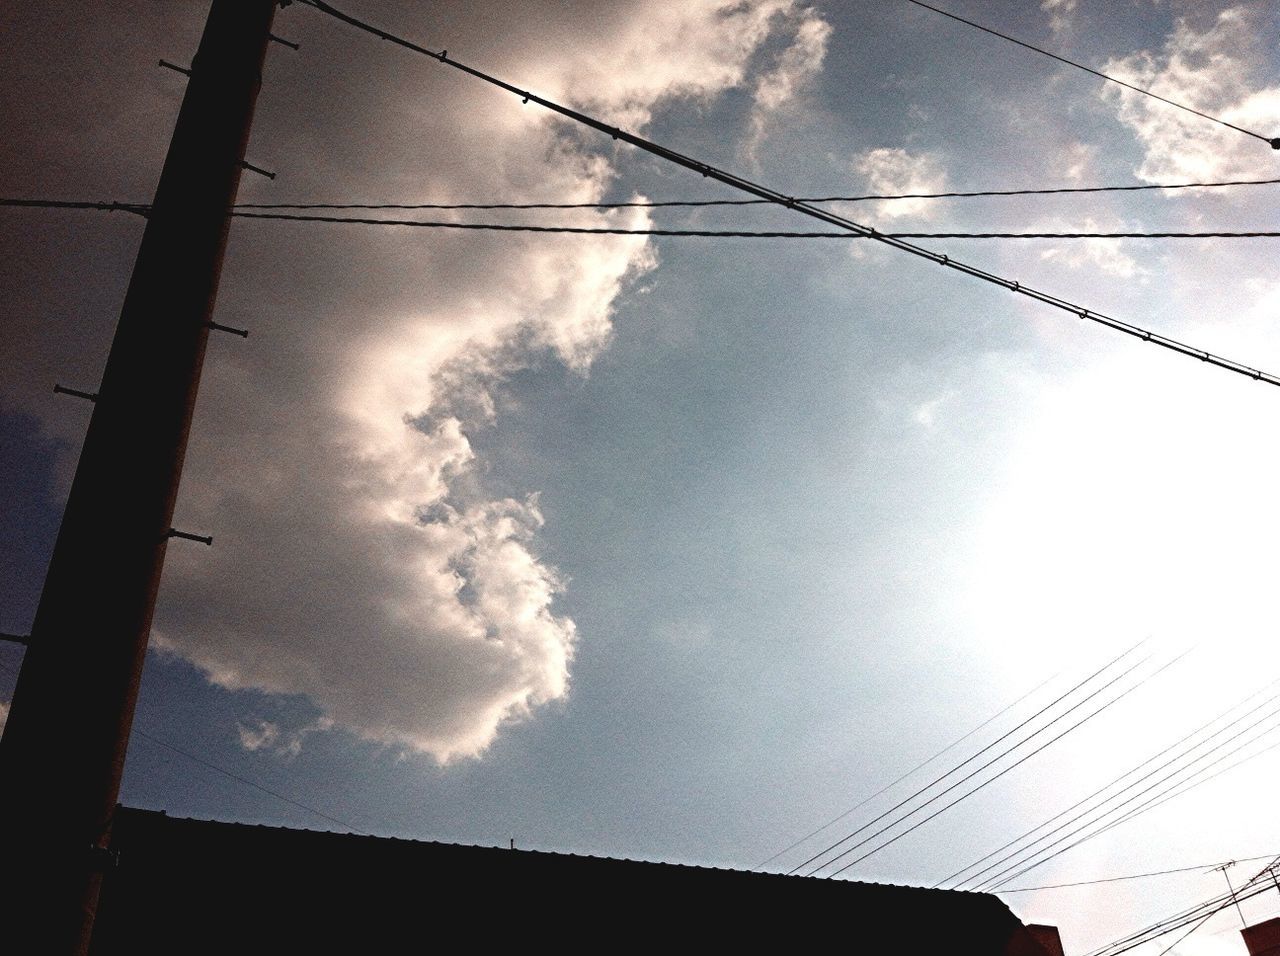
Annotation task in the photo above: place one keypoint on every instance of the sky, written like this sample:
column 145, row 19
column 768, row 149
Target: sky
column 676, row 548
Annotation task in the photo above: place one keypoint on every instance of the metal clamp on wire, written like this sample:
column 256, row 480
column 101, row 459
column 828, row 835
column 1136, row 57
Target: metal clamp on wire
column 243, row 333
column 188, row 536
column 63, row 390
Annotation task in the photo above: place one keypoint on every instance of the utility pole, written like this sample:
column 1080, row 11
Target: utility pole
column 63, row 751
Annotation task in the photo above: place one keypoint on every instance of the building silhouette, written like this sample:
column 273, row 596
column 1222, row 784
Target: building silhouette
column 178, row 885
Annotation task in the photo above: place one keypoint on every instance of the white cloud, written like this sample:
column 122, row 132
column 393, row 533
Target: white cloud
column 1060, row 12
column 795, row 68
column 1215, row 71
column 895, row 171
column 358, row 560
column 266, row 735
column 1106, row 255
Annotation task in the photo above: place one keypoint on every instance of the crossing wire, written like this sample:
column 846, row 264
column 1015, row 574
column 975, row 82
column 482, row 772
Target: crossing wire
column 690, row 203
column 1198, row 914
column 1202, row 868
column 144, row 209
column 1273, row 143
column 807, row 209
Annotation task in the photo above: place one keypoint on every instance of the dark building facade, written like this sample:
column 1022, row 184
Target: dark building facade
column 183, row 886
column 1263, row 939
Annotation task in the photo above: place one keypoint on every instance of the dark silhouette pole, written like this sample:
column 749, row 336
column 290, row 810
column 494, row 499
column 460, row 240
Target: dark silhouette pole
column 63, row 749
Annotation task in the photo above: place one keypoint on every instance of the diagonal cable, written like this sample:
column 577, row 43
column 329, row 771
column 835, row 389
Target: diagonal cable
column 763, row 192
column 1273, row 143
column 990, row 780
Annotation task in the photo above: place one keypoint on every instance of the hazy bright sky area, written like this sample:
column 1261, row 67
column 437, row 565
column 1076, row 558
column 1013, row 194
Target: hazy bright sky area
column 676, row 548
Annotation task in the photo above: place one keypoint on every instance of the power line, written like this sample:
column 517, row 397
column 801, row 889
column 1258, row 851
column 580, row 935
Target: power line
column 1001, row 878
column 249, row 783
column 1183, row 786
column 1187, row 785
column 1105, row 788
column 1135, row 876
column 1198, row 914
column 135, row 207
column 920, row 766
column 1026, row 866
column 1274, row 143
column 968, row 760
column 689, row 203
column 143, row 209
column 228, row 773
column 1015, row 764
column 745, row 234
column 744, row 185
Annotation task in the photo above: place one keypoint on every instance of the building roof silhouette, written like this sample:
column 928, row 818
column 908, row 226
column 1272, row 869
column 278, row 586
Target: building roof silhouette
column 179, row 885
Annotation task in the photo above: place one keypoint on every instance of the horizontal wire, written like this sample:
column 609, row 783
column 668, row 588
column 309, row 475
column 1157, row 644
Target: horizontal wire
column 1273, row 143
column 143, row 209
column 1205, row 867
column 744, row 185
column 139, row 208
column 691, row 203
column 748, row 234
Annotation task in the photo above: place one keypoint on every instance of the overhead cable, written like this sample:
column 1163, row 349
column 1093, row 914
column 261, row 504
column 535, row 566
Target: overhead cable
column 893, row 783
column 1197, row 915
column 1274, row 143
column 690, row 203
column 990, row 780
column 1175, row 790
column 972, row 757
column 1026, row 865
column 1201, row 868
column 743, row 233
column 1101, row 790
column 807, row 209
column 247, row 782
column 241, row 213
column 231, row 775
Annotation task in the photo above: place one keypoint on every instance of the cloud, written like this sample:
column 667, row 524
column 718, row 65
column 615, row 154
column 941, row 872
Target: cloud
column 269, row 736
column 648, row 52
column 1216, row 71
column 359, row 560
column 794, row 69
column 1060, row 12
column 1107, row 255
column 895, row 171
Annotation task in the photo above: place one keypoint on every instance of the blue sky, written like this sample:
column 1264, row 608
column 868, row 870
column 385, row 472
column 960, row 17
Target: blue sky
column 676, row 548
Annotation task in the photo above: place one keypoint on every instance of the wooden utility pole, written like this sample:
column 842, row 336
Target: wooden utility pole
column 63, row 749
